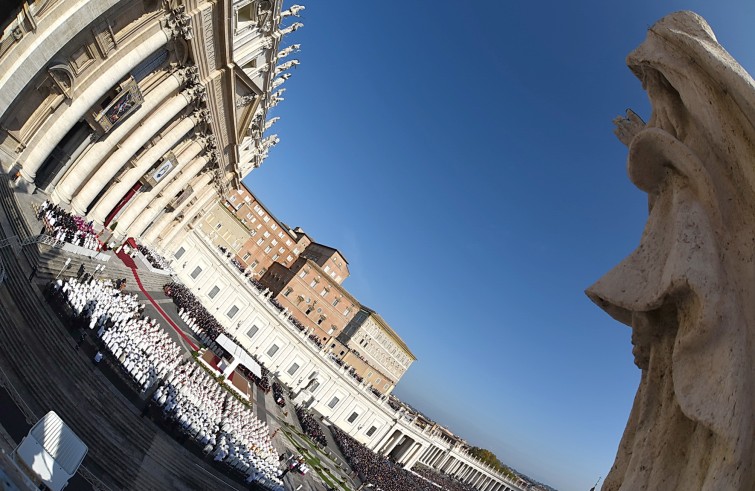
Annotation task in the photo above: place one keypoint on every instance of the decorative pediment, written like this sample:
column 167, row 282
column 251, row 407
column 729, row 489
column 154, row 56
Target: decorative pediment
column 247, row 98
column 63, row 77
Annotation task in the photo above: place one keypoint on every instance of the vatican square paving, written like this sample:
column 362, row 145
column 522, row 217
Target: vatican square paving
column 161, row 328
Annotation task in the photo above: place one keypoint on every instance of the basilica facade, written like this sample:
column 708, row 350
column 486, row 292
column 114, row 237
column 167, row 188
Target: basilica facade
column 131, row 112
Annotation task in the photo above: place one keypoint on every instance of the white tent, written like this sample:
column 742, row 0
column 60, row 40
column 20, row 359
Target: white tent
column 239, row 354
column 52, row 451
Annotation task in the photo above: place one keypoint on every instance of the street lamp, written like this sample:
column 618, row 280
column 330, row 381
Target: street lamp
column 65, row 266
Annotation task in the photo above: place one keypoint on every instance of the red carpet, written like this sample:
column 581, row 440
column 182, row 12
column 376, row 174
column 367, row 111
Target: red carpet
column 127, row 260
column 130, row 263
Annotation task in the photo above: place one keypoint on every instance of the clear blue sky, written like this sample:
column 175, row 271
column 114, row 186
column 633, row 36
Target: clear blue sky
column 461, row 156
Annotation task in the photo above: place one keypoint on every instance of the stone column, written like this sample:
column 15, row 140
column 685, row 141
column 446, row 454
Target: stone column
column 171, row 190
column 140, row 202
column 394, row 444
column 33, row 52
column 116, row 191
column 55, row 128
column 413, row 458
column 81, row 170
column 136, row 140
column 178, row 231
column 161, row 225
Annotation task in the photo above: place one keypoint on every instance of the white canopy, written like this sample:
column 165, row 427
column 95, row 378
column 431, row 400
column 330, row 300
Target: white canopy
column 239, row 354
column 52, row 450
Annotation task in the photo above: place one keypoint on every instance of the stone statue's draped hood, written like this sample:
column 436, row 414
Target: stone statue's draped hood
column 692, row 279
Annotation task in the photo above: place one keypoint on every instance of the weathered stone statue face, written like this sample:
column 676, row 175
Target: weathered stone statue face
column 688, row 290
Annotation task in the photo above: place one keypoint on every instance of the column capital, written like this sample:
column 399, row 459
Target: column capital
column 178, row 23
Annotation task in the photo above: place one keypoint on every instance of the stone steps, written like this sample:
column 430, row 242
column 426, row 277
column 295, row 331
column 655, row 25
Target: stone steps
column 118, row 439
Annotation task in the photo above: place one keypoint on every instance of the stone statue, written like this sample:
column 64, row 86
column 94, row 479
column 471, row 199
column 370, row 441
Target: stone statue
column 293, row 27
column 687, row 290
column 293, row 10
column 287, row 51
column 279, row 81
column 271, row 122
column 285, row 66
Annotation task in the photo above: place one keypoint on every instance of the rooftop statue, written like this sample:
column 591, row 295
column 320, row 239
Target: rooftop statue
column 688, row 290
column 288, row 50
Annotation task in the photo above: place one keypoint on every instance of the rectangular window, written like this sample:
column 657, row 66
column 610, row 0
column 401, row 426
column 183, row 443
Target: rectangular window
column 326, row 268
column 288, row 243
column 215, row 290
column 254, row 264
column 274, row 226
column 371, row 431
column 313, row 283
column 289, row 259
column 268, row 249
column 180, row 252
column 274, row 242
column 324, row 292
column 353, row 417
column 246, row 256
column 252, row 233
column 335, row 302
column 266, row 218
column 251, row 332
column 275, row 257
column 234, row 310
column 302, row 274
column 260, row 241
column 233, row 199
column 266, row 234
column 249, row 216
column 273, row 349
column 296, row 250
column 346, row 312
column 333, row 402
column 288, row 292
column 218, row 226
column 385, row 387
column 280, row 234
column 197, row 271
column 256, row 207
column 293, row 368
column 378, row 380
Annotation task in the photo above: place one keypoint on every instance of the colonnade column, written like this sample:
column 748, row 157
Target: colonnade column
column 114, row 194
column 140, row 202
column 135, row 141
column 164, row 221
column 171, row 190
column 80, row 171
column 55, row 128
column 176, row 231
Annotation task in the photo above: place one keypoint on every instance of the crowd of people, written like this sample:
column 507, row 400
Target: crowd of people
column 138, row 344
column 220, row 423
column 310, row 426
column 443, row 480
column 278, row 395
column 377, row 470
column 193, row 313
column 66, row 227
column 155, row 259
